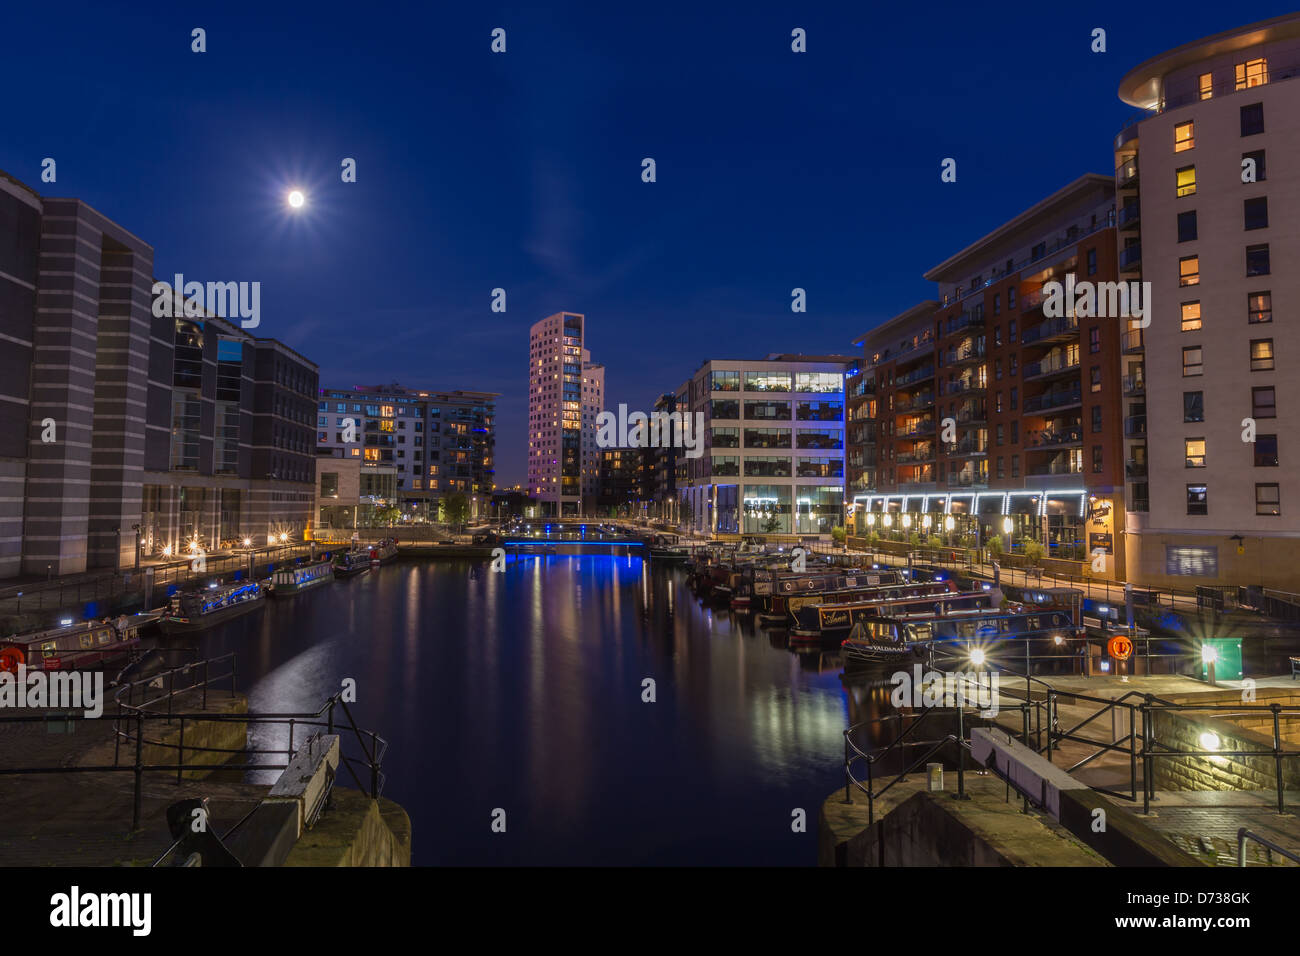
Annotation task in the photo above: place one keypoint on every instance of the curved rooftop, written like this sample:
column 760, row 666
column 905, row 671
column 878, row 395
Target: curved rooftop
column 1142, row 85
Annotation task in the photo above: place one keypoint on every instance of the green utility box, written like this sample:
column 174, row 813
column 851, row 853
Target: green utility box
column 1227, row 662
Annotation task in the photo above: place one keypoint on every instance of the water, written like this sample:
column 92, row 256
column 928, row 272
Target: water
column 523, row 691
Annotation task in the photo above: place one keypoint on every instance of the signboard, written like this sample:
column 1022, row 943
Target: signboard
column 1100, row 540
column 1119, row 647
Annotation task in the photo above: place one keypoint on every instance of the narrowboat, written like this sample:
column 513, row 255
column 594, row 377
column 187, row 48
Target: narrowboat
column 348, row 563
column 665, row 547
column 887, row 637
column 75, row 646
column 793, row 603
column 289, row 581
column 773, row 589
column 826, row 621
column 383, row 552
column 192, row 611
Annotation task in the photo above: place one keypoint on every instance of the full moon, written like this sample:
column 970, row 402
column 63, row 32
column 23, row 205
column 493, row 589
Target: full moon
column 296, row 199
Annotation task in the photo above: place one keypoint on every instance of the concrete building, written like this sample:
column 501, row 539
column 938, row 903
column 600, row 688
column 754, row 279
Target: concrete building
column 998, row 404
column 566, row 392
column 773, row 454
column 415, row 446
column 118, row 426
column 1210, row 216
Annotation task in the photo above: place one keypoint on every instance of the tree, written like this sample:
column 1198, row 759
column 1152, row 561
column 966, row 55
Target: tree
column 771, row 524
column 388, row 515
column 995, row 546
column 838, row 534
column 1034, row 552
column 455, row 508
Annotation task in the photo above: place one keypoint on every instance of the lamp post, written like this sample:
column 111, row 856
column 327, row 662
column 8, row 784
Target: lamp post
column 136, row 528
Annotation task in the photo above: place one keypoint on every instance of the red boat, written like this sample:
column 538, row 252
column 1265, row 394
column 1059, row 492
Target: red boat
column 75, row 646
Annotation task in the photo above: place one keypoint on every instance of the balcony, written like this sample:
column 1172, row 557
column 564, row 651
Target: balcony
column 1135, row 384
column 1126, row 177
column 922, row 453
column 1032, row 300
column 1056, row 468
column 1049, row 401
column 917, row 375
column 1135, row 469
column 921, row 428
column 1129, row 217
column 915, row 404
column 967, row 447
column 1065, row 327
column 1064, row 438
column 1135, row 426
column 972, row 416
column 966, row 480
column 1049, row 368
column 1130, row 258
column 965, row 385
column 1131, row 341
column 964, row 356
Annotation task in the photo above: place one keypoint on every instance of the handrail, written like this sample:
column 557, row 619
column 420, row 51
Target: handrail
column 1245, row 834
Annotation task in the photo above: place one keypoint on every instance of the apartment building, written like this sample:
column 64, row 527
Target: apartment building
column 415, row 447
column 773, row 454
column 994, row 410
column 1209, row 214
column 566, row 393
column 122, row 432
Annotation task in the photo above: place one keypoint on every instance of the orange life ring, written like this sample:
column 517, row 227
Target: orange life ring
column 10, row 658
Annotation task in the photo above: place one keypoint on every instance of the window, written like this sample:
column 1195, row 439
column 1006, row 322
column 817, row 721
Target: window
column 1261, row 355
column 1252, row 119
column 1015, row 466
column 1187, row 226
column 1268, row 500
column 1191, row 561
column 1014, row 393
column 1011, row 299
column 1257, row 213
column 1092, row 262
column 1194, row 450
column 1094, row 375
column 997, row 403
column 1011, row 331
column 1191, row 361
column 1096, row 419
column 1189, row 270
column 1252, row 73
column 1096, row 460
column 1265, row 451
column 1000, row 435
column 1198, row 500
column 1206, row 85
column 1094, row 340
column 1259, row 307
column 997, row 335
column 1015, row 432
column 1184, row 138
column 1258, row 157
column 1257, row 263
column 997, row 305
column 1193, row 406
column 725, row 382
column 1191, row 316
column 1185, row 180
column 1263, row 402
column 1002, row 472
column 997, row 369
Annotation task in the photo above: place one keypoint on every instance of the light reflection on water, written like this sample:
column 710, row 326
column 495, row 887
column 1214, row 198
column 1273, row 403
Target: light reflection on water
column 523, row 691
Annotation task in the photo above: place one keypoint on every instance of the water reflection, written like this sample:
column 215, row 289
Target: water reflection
column 523, row 691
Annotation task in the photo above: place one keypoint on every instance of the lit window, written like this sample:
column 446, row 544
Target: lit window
column 1186, row 180
column 1191, row 316
column 1191, row 361
column 1260, row 307
column 1184, row 136
column 1252, row 73
column 1195, row 452
column 1207, row 85
column 1261, row 355
column 1189, row 270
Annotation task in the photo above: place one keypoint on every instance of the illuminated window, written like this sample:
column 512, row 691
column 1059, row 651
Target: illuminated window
column 1189, row 270
column 1260, row 307
column 1261, row 355
column 386, row 411
column 356, row 452
column 1252, row 73
column 386, row 425
column 1191, row 316
column 372, row 454
column 1184, row 137
column 1192, row 361
column 1207, row 85
column 1186, row 181
column 1195, row 452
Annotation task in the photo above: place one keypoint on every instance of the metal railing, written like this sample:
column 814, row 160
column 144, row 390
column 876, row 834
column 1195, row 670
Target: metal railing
column 1245, row 834
column 135, row 719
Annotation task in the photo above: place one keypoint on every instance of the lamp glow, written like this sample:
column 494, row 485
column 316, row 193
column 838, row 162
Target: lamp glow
column 296, row 198
column 949, row 523
column 1209, row 740
column 977, row 657
column 1209, row 654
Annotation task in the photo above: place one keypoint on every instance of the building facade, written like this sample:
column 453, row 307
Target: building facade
column 566, row 393
column 122, row 429
column 773, row 450
column 415, row 448
column 1209, row 198
column 995, row 410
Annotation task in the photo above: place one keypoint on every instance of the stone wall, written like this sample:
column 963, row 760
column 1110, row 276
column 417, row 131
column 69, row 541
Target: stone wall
column 1240, row 730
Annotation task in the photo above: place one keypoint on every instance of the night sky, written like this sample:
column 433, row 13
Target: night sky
column 523, row 170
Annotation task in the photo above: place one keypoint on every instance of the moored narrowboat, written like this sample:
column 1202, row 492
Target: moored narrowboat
column 75, row 646
column 348, row 563
column 192, row 611
column 815, row 622
column 383, row 552
column 289, row 581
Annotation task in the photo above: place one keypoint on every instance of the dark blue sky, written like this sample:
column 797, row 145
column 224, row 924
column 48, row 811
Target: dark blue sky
column 522, row 170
